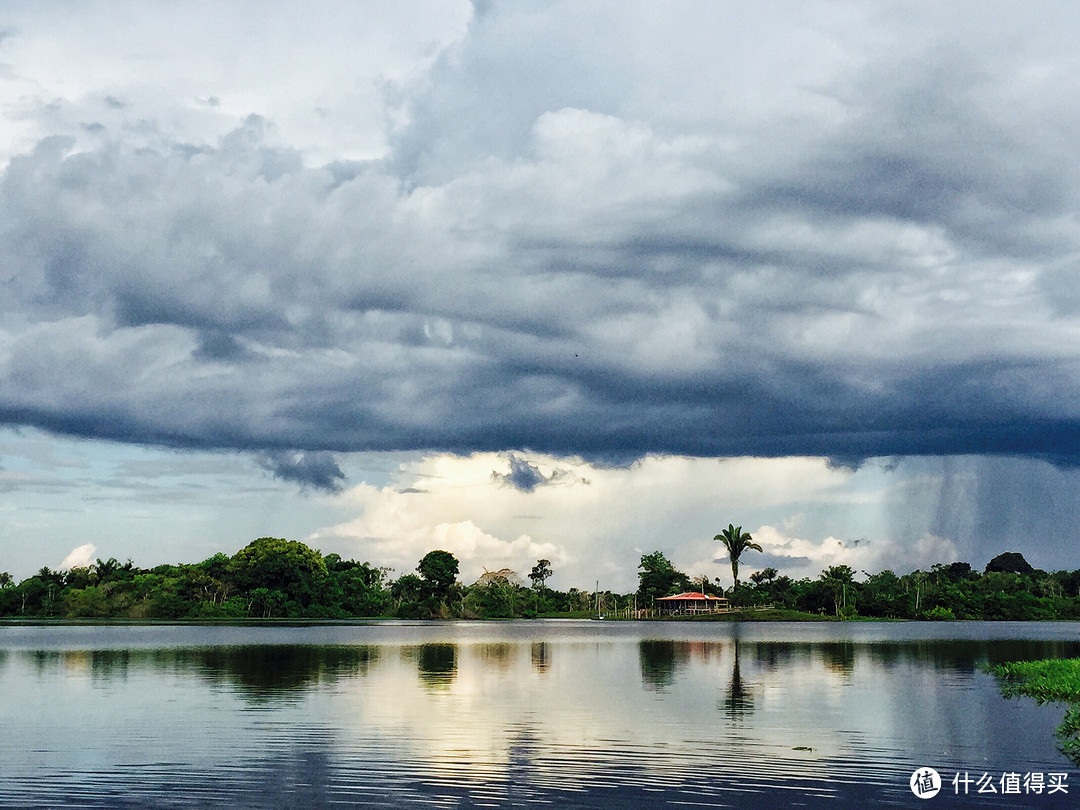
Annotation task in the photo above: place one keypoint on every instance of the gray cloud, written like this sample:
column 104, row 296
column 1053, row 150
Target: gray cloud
column 526, row 476
column 523, row 475
column 575, row 248
column 318, row 470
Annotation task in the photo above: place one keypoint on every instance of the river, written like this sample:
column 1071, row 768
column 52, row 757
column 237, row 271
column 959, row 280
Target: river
column 560, row 713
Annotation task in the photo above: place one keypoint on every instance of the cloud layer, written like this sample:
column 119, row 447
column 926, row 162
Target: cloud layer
column 594, row 523
column 692, row 233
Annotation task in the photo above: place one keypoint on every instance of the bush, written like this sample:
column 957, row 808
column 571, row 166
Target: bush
column 940, row 614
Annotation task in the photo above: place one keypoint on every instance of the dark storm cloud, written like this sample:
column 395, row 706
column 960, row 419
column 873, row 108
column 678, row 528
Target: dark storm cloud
column 579, row 255
column 319, row 470
column 523, row 475
column 526, row 476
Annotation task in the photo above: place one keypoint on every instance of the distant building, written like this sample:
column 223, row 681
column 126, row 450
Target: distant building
column 691, row 603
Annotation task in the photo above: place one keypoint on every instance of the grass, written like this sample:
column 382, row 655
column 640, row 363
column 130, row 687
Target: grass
column 759, row 615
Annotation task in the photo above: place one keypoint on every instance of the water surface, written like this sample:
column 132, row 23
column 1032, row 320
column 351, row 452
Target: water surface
column 573, row 714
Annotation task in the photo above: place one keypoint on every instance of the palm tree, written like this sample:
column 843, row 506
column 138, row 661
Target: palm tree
column 736, row 541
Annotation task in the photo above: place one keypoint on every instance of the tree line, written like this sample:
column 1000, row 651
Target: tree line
column 277, row 578
column 1008, row 589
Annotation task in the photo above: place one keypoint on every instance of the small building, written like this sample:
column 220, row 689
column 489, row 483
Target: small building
column 684, row 603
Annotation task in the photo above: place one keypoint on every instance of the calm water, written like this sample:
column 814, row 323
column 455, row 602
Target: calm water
column 570, row 714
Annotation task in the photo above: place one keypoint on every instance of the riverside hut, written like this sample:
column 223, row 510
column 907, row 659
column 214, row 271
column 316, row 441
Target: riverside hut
column 691, row 603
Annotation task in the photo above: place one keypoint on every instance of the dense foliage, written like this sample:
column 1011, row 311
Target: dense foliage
column 953, row 591
column 276, row 578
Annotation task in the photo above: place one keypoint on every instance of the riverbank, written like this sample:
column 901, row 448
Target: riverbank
column 748, row 615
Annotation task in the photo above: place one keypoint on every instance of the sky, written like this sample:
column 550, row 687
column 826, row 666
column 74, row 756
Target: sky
column 563, row 280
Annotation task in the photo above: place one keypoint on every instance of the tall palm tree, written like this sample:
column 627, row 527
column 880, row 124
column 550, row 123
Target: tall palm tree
column 736, row 541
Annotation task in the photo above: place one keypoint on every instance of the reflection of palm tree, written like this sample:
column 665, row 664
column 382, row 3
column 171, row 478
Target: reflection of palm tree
column 740, row 698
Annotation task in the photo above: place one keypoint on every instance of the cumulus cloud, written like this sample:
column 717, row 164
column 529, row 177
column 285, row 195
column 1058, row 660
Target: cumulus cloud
column 80, row 557
column 798, row 557
column 600, row 520
column 568, row 237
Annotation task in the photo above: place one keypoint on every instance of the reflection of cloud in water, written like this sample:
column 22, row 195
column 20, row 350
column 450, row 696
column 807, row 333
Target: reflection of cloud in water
column 594, row 706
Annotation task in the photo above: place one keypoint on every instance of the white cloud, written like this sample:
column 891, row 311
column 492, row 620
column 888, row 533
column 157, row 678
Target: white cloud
column 192, row 72
column 797, row 557
column 595, row 522
column 80, row 557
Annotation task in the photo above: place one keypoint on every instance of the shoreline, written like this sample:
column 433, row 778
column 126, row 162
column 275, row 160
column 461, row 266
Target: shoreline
column 748, row 617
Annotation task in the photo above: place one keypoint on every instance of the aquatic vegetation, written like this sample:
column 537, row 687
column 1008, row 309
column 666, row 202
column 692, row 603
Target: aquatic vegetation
column 1049, row 681
column 1055, row 679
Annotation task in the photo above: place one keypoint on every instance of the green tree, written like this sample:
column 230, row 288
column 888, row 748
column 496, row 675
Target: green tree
column 839, row 581
column 736, row 541
column 88, row 602
column 407, row 588
column 354, row 588
column 765, row 577
column 1011, row 562
column 440, row 568
column 286, row 566
column 882, row 595
column 540, row 574
column 658, row 577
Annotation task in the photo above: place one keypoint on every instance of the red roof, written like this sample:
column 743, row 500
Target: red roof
column 685, row 596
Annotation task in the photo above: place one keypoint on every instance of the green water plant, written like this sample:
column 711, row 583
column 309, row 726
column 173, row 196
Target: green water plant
column 1055, row 680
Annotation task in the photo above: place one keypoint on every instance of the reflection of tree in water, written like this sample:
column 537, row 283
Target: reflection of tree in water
column 260, row 671
column 771, row 656
column 437, row 664
column 839, row 656
column 739, row 699
column 661, row 659
column 499, row 655
column 268, row 670
column 657, row 660
column 541, row 656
